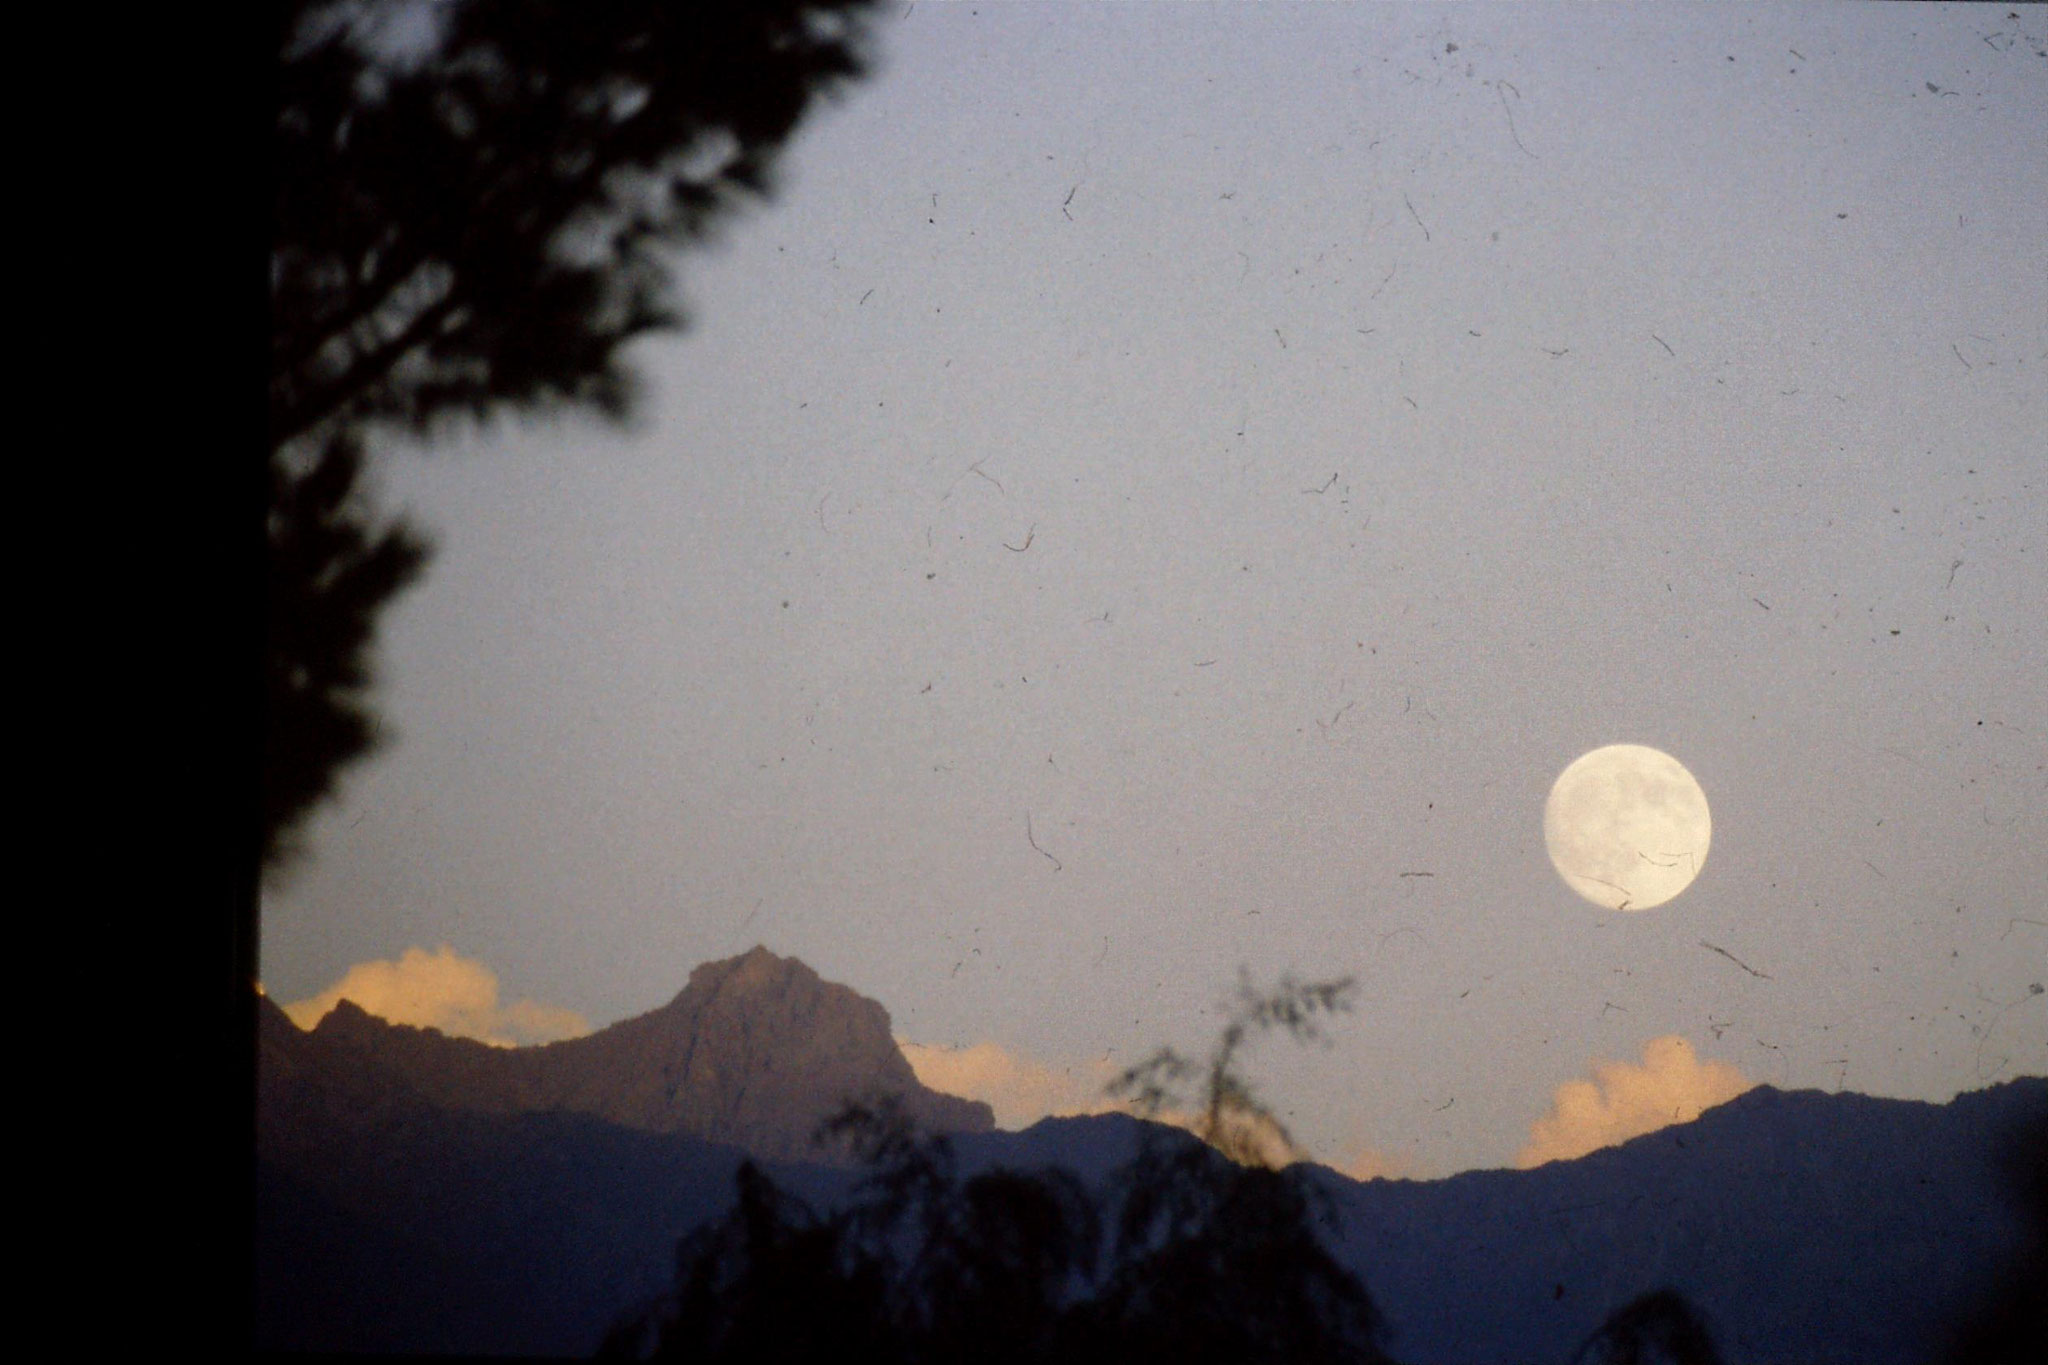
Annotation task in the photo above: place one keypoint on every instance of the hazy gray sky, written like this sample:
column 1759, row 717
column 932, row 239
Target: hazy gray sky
column 1391, row 404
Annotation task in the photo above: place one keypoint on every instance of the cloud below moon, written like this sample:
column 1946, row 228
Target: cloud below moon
column 1622, row 1100
column 1625, row 1100
column 442, row 990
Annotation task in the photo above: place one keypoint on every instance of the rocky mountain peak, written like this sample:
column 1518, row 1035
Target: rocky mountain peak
column 754, row 969
column 756, row 1051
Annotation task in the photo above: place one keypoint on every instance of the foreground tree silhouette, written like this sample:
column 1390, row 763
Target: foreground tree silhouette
column 1658, row 1328
column 471, row 206
column 1207, row 1258
column 1192, row 1252
column 1217, row 1257
column 332, row 569
column 2010, row 1325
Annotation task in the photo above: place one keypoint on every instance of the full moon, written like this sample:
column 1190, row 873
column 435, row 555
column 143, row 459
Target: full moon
column 1627, row 827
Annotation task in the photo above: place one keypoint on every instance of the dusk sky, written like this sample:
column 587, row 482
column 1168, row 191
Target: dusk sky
column 1167, row 490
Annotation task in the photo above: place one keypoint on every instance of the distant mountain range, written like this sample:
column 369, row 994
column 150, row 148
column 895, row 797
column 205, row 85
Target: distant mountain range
column 427, row 1194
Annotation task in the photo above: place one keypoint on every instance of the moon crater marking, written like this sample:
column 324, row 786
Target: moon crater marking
column 1627, row 827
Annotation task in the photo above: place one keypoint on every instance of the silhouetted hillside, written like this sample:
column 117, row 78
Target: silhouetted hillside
column 419, row 1192
column 1804, row 1226
column 404, row 1205
column 437, row 1231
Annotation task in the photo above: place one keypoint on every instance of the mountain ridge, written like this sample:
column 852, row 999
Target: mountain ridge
column 1805, row 1225
column 755, row 1051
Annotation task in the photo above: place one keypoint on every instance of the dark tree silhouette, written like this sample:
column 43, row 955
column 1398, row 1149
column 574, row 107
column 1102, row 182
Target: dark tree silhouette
column 2010, row 1325
column 1223, row 1110
column 1192, row 1253
column 772, row 1281
column 1217, row 1257
column 1209, row 1259
column 1248, row 1281
column 331, row 570
column 922, row 1267
column 1657, row 1328
column 472, row 209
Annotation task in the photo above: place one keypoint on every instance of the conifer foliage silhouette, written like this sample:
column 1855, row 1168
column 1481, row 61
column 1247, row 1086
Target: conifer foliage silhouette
column 474, row 207
column 332, row 569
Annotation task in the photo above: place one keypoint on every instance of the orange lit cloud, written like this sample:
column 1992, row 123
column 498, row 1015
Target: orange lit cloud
column 457, row 995
column 1019, row 1088
column 1023, row 1090
column 1369, row 1163
column 1626, row 1100
column 1250, row 1139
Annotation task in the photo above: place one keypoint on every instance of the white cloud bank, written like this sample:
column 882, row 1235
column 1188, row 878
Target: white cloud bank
column 457, row 995
column 1626, row 1100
